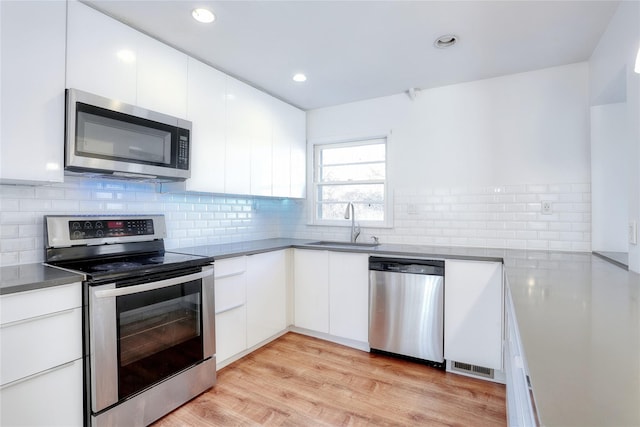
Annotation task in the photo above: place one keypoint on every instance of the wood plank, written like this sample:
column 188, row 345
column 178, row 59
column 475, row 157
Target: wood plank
column 302, row 381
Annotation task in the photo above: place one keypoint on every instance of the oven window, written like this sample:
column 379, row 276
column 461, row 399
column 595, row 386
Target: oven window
column 159, row 334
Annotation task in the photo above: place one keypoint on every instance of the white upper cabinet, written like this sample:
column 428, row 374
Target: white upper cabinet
column 101, row 54
column 238, row 147
column 32, row 95
column 261, row 144
column 162, row 77
column 206, row 109
column 110, row 59
column 289, row 153
column 244, row 141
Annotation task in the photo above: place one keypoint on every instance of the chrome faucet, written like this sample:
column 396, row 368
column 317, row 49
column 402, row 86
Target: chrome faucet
column 355, row 231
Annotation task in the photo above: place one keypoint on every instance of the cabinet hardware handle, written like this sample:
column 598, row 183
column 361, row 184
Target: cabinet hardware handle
column 128, row 290
column 36, row 375
column 233, row 307
column 42, row 316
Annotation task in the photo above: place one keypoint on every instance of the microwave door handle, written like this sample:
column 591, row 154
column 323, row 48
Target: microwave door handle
column 128, row 290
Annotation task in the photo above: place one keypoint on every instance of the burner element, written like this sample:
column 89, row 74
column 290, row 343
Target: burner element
column 110, row 266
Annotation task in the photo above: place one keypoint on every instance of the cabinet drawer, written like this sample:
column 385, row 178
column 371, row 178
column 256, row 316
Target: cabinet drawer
column 231, row 333
column 35, row 345
column 23, row 305
column 230, row 267
column 51, row 399
column 230, row 293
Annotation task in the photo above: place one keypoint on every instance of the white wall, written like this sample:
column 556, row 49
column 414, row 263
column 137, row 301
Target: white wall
column 514, row 140
column 610, row 177
column 612, row 80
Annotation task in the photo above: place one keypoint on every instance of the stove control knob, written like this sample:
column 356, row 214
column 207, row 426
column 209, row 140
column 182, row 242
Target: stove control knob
column 99, row 233
column 77, row 234
column 76, row 226
column 87, row 225
column 98, row 224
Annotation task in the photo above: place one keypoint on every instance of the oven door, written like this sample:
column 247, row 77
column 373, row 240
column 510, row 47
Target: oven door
column 147, row 329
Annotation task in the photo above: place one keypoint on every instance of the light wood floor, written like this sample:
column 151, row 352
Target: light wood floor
column 302, row 381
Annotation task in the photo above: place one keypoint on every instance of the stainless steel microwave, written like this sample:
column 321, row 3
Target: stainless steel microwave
column 105, row 137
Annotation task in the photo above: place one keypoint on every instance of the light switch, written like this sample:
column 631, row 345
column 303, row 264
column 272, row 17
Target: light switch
column 633, row 232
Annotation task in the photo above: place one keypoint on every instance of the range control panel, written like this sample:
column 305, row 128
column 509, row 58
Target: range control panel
column 100, row 229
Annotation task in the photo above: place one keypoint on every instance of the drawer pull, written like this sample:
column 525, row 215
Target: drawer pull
column 36, row 375
column 233, row 307
column 43, row 316
column 224, row 276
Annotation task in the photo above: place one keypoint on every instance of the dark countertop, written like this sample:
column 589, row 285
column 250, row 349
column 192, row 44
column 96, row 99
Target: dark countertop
column 578, row 317
column 579, row 321
column 28, row 277
column 229, row 250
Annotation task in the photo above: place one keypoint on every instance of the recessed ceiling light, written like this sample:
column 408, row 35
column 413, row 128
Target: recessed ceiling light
column 299, row 78
column 203, row 15
column 445, row 41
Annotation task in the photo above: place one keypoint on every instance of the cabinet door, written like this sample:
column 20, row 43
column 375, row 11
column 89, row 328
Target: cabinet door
column 32, row 35
column 298, row 130
column 53, row 398
column 206, row 110
column 261, row 144
column 101, row 54
column 473, row 313
column 266, row 296
column 162, row 77
column 349, row 295
column 230, row 301
column 238, row 143
column 23, row 343
column 311, row 290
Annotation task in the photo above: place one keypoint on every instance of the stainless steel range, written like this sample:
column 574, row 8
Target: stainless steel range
column 149, row 332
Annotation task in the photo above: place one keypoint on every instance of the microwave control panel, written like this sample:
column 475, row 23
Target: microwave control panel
column 100, row 229
column 183, row 149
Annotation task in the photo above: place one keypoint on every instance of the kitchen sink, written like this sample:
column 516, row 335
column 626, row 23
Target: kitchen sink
column 344, row 244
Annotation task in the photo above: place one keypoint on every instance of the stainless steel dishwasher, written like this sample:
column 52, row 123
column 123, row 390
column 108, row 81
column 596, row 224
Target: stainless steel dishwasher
column 406, row 308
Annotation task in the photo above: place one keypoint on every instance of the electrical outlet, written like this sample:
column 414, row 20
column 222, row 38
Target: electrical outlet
column 546, row 207
column 633, row 232
column 412, row 209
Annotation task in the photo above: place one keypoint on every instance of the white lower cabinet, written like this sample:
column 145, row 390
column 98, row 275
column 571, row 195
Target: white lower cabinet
column 311, row 290
column 349, row 295
column 41, row 357
column 332, row 293
column 473, row 313
column 520, row 412
column 266, row 296
column 53, row 398
column 231, row 311
column 251, row 302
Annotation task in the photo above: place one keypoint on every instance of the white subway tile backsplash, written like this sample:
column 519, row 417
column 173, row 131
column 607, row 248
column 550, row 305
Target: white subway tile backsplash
column 192, row 219
column 487, row 216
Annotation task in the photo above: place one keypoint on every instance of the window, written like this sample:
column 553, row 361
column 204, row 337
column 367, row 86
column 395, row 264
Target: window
column 351, row 172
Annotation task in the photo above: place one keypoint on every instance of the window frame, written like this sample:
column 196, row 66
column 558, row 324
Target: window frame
column 316, row 184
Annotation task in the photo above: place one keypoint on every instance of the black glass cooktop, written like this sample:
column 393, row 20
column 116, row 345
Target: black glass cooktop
column 133, row 265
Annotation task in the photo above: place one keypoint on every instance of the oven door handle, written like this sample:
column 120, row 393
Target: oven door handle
column 128, row 290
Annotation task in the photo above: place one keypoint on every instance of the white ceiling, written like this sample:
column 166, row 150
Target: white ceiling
column 355, row 50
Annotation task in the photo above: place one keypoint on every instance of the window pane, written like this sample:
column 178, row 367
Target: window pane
column 364, row 212
column 353, row 154
column 364, row 172
column 351, row 193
